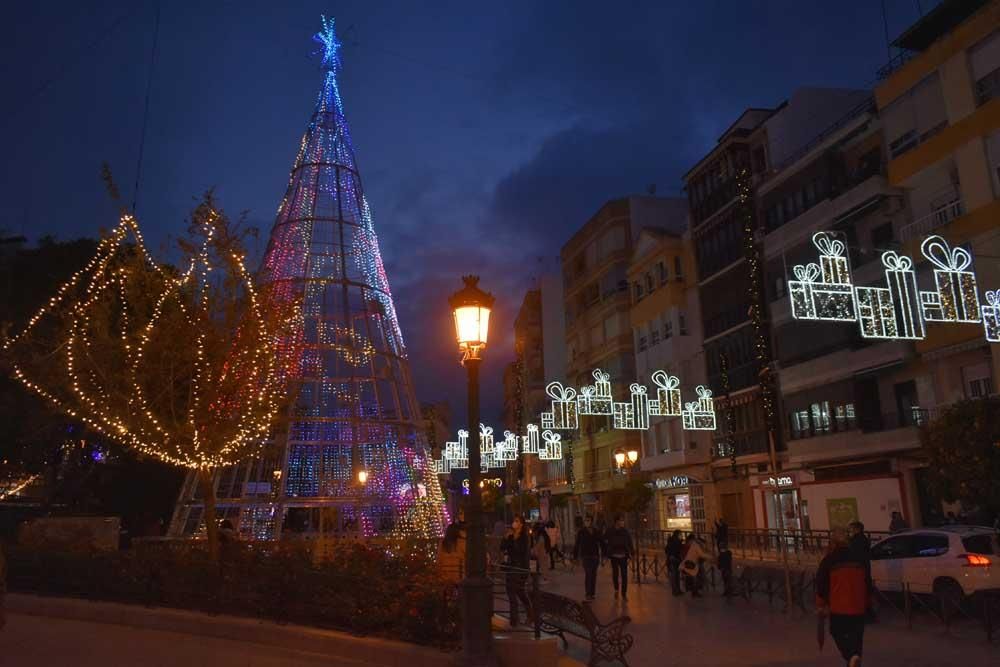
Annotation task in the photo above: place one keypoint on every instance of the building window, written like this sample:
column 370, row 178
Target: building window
column 682, row 324
column 882, row 236
column 638, row 292
column 678, row 272
column 642, row 344
column 654, row 336
column 649, row 283
column 662, row 266
column 668, row 329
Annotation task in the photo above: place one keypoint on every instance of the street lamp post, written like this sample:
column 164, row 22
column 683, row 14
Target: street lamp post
column 471, row 309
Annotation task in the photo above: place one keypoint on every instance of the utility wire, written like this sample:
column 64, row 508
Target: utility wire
column 145, row 113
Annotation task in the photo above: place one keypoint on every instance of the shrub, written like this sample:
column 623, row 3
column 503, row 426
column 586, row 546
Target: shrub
column 362, row 589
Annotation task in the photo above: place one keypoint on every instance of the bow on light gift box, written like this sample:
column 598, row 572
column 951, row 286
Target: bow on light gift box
column 551, row 449
column 991, row 316
column 530, row 441
column 564, row 415
column 486, row 444
column 902, row 281
column 458, row 452
column 668, row 396
column 956, row 298
column 633, row 415
column 597, row 400
column 700, row 415
column 801, row 291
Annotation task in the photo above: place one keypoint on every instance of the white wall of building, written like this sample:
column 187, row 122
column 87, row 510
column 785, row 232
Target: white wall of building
column 877, row 499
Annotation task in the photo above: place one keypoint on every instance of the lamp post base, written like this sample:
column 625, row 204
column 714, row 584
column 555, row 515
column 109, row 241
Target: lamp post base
column 477, row 622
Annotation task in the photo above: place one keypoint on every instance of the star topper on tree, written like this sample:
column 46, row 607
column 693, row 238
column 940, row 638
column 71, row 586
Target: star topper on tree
column 331, row 45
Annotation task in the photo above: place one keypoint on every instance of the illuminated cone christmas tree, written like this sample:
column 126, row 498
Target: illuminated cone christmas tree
column 351, row 458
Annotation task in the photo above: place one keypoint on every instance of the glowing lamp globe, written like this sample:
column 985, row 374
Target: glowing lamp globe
column 620, row 458
column 633, row 456
column 363, row 476
column 471, row 308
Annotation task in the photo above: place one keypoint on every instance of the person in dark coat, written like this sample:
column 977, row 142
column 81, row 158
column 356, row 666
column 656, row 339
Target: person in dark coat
column 588, row 549
column 843, row 594
column 674, row 549
column 516, row 548
column 618, row 547
column 721, row 535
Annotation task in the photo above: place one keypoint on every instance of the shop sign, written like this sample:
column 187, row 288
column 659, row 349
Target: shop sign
column 781, row 481
column 495, row 482
column 672, row 482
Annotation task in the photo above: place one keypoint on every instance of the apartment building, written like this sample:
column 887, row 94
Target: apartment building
column 717, row 206
column 846, row 406
column 596, row 302
column 666, row 329
column 940, row 107
column 726, row 232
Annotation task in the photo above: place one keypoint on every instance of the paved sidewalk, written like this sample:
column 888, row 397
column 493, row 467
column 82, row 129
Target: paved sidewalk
column 40, row 641
column 674, row 632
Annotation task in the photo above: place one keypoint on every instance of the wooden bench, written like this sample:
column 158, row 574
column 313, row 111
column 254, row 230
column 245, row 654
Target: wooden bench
column 558, row 615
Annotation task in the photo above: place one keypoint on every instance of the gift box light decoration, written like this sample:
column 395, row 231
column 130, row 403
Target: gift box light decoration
column 596, row 399
column 668, row 396
column 551, row 449
column 700, row 415
column 823, row 291
column 956, row 298
column 530, row 441
column 634, row 414
column 564, row 408
column 486, row 445
column 898, row 311
column 991, row 316
column 507, row 450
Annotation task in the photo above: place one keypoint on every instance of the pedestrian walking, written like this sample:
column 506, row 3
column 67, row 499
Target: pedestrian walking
column 516, row 547
column 555, row 542
column 721, row 534
column 451, row 554
column 618, row 546
column 898, row 523
column 725, row 562
column 861, row 550
column 589, row 550
column 540, row 546
column 674, row 551
column 842, row 594
column 691, row 561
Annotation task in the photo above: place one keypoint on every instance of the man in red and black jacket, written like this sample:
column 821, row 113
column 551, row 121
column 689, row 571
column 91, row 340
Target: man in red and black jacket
column 842, row 592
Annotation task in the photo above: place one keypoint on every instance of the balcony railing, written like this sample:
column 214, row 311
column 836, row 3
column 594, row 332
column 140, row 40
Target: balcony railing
column 937, row 218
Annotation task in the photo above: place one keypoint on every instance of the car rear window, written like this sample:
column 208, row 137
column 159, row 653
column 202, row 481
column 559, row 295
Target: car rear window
column 929, row 545
column 979, row 544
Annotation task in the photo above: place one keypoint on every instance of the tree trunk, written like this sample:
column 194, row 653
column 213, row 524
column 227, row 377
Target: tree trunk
column 211, row 524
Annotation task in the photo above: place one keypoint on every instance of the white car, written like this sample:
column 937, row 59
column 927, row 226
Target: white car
column 948, row 561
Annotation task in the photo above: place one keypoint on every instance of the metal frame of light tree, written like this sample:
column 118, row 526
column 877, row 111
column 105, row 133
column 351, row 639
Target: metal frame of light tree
column 356, row 408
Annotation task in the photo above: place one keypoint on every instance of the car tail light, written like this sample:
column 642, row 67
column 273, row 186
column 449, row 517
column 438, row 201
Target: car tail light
column 975, row 560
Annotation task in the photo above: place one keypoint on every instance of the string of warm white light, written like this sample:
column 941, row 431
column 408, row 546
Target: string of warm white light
column 232, row 404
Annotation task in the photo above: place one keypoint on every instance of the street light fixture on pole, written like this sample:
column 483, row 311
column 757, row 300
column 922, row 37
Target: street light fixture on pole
column 471, row 308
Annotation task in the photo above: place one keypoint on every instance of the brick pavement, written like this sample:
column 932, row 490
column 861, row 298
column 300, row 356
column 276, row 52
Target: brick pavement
column 673, row 632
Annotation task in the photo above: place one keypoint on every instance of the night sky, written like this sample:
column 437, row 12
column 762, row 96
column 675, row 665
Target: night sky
column 485, row 132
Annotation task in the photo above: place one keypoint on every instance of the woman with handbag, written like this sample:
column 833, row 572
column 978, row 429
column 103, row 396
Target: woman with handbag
column 691, row 559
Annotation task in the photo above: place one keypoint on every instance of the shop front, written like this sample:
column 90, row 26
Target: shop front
column 781, row 501
column 679, row 503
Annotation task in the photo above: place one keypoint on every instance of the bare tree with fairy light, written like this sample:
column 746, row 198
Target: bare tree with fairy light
column 181, row 365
